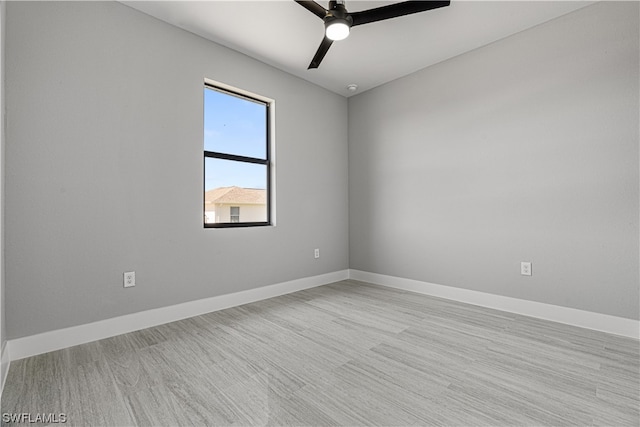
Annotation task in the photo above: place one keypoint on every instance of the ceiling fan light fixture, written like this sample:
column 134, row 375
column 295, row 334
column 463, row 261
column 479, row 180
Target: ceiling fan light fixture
column 337, row 29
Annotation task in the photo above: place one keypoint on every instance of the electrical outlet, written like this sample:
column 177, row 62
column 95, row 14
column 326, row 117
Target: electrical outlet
column 316, row 253
column 129, row 279
column 525, row 268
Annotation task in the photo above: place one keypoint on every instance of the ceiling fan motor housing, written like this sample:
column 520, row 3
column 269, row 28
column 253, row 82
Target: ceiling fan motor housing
column 337, row 13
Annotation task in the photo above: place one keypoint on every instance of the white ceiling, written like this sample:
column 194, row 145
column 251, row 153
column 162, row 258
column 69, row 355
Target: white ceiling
column 285, row 35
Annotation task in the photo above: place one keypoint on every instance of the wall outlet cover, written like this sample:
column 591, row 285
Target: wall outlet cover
column 525, row 268
column 129, row 279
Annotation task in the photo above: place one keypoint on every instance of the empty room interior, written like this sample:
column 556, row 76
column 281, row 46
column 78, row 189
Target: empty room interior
column 320, row 213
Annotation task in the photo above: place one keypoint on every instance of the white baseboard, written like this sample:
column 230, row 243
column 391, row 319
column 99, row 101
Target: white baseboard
column 68, row 337
column 4, row 366
column 570, row 316
column 55, row 340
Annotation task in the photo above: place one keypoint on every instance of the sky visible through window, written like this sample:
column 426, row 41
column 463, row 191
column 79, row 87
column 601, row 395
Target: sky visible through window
column 237, row 126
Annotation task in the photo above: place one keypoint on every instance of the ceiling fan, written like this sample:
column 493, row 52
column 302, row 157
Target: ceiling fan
column 338, row 21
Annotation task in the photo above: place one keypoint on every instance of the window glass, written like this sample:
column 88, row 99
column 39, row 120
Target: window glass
column 234, row 125
column 236, row 160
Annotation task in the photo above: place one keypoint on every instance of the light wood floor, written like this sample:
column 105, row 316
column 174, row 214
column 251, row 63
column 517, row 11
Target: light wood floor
column 342, row 354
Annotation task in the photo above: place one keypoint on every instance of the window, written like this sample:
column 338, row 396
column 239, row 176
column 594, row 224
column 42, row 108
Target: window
column 236, row 159
column 234, row 213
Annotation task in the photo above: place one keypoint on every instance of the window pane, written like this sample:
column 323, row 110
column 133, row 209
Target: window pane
column 234, row 125
column 234, row 191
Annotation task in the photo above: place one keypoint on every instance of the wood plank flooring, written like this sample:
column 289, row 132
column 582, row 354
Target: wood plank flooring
column 348, row 353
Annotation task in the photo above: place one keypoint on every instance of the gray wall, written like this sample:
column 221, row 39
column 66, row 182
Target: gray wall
column 104, row 169
column 3, row 331
column 526, row 149
column 523, row 150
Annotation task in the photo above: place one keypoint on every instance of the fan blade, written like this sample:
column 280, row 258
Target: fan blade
column 395, row 10
column 320, row 53
column 313, row 7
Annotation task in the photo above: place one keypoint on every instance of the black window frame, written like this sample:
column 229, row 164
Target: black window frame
column 238, row 158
